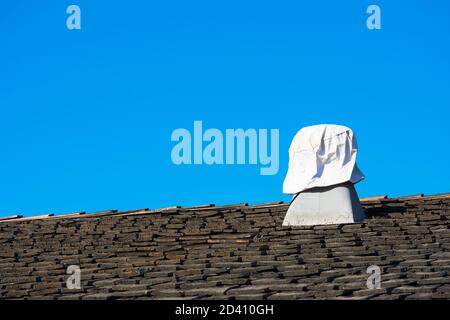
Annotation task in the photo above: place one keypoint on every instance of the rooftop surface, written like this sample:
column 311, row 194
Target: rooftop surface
column 230, row 252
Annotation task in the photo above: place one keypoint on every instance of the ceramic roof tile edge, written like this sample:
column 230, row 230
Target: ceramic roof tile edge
column 174, row 209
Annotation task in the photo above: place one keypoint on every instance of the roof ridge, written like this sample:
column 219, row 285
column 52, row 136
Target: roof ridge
column 204, row 207
column 373, row 198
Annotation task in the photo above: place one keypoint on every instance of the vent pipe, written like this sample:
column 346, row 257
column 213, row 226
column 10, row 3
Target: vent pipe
column 321, row 176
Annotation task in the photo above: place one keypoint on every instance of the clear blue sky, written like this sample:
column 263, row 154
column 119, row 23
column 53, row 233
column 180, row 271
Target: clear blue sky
column 86, row 115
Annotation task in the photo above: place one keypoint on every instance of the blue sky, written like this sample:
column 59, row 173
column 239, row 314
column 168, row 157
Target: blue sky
column 87, row 115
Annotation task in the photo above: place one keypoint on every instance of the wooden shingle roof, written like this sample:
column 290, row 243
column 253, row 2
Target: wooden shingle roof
column 230, row 252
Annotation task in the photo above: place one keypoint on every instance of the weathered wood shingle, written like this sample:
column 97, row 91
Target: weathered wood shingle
column 230, row 252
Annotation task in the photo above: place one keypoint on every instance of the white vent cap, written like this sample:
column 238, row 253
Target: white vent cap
column 320, row 156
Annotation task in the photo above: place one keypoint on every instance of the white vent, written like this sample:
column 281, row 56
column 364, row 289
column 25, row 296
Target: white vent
column 321, row 174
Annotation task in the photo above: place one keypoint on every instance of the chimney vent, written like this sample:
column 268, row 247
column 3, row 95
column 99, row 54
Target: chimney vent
column 321, row 176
